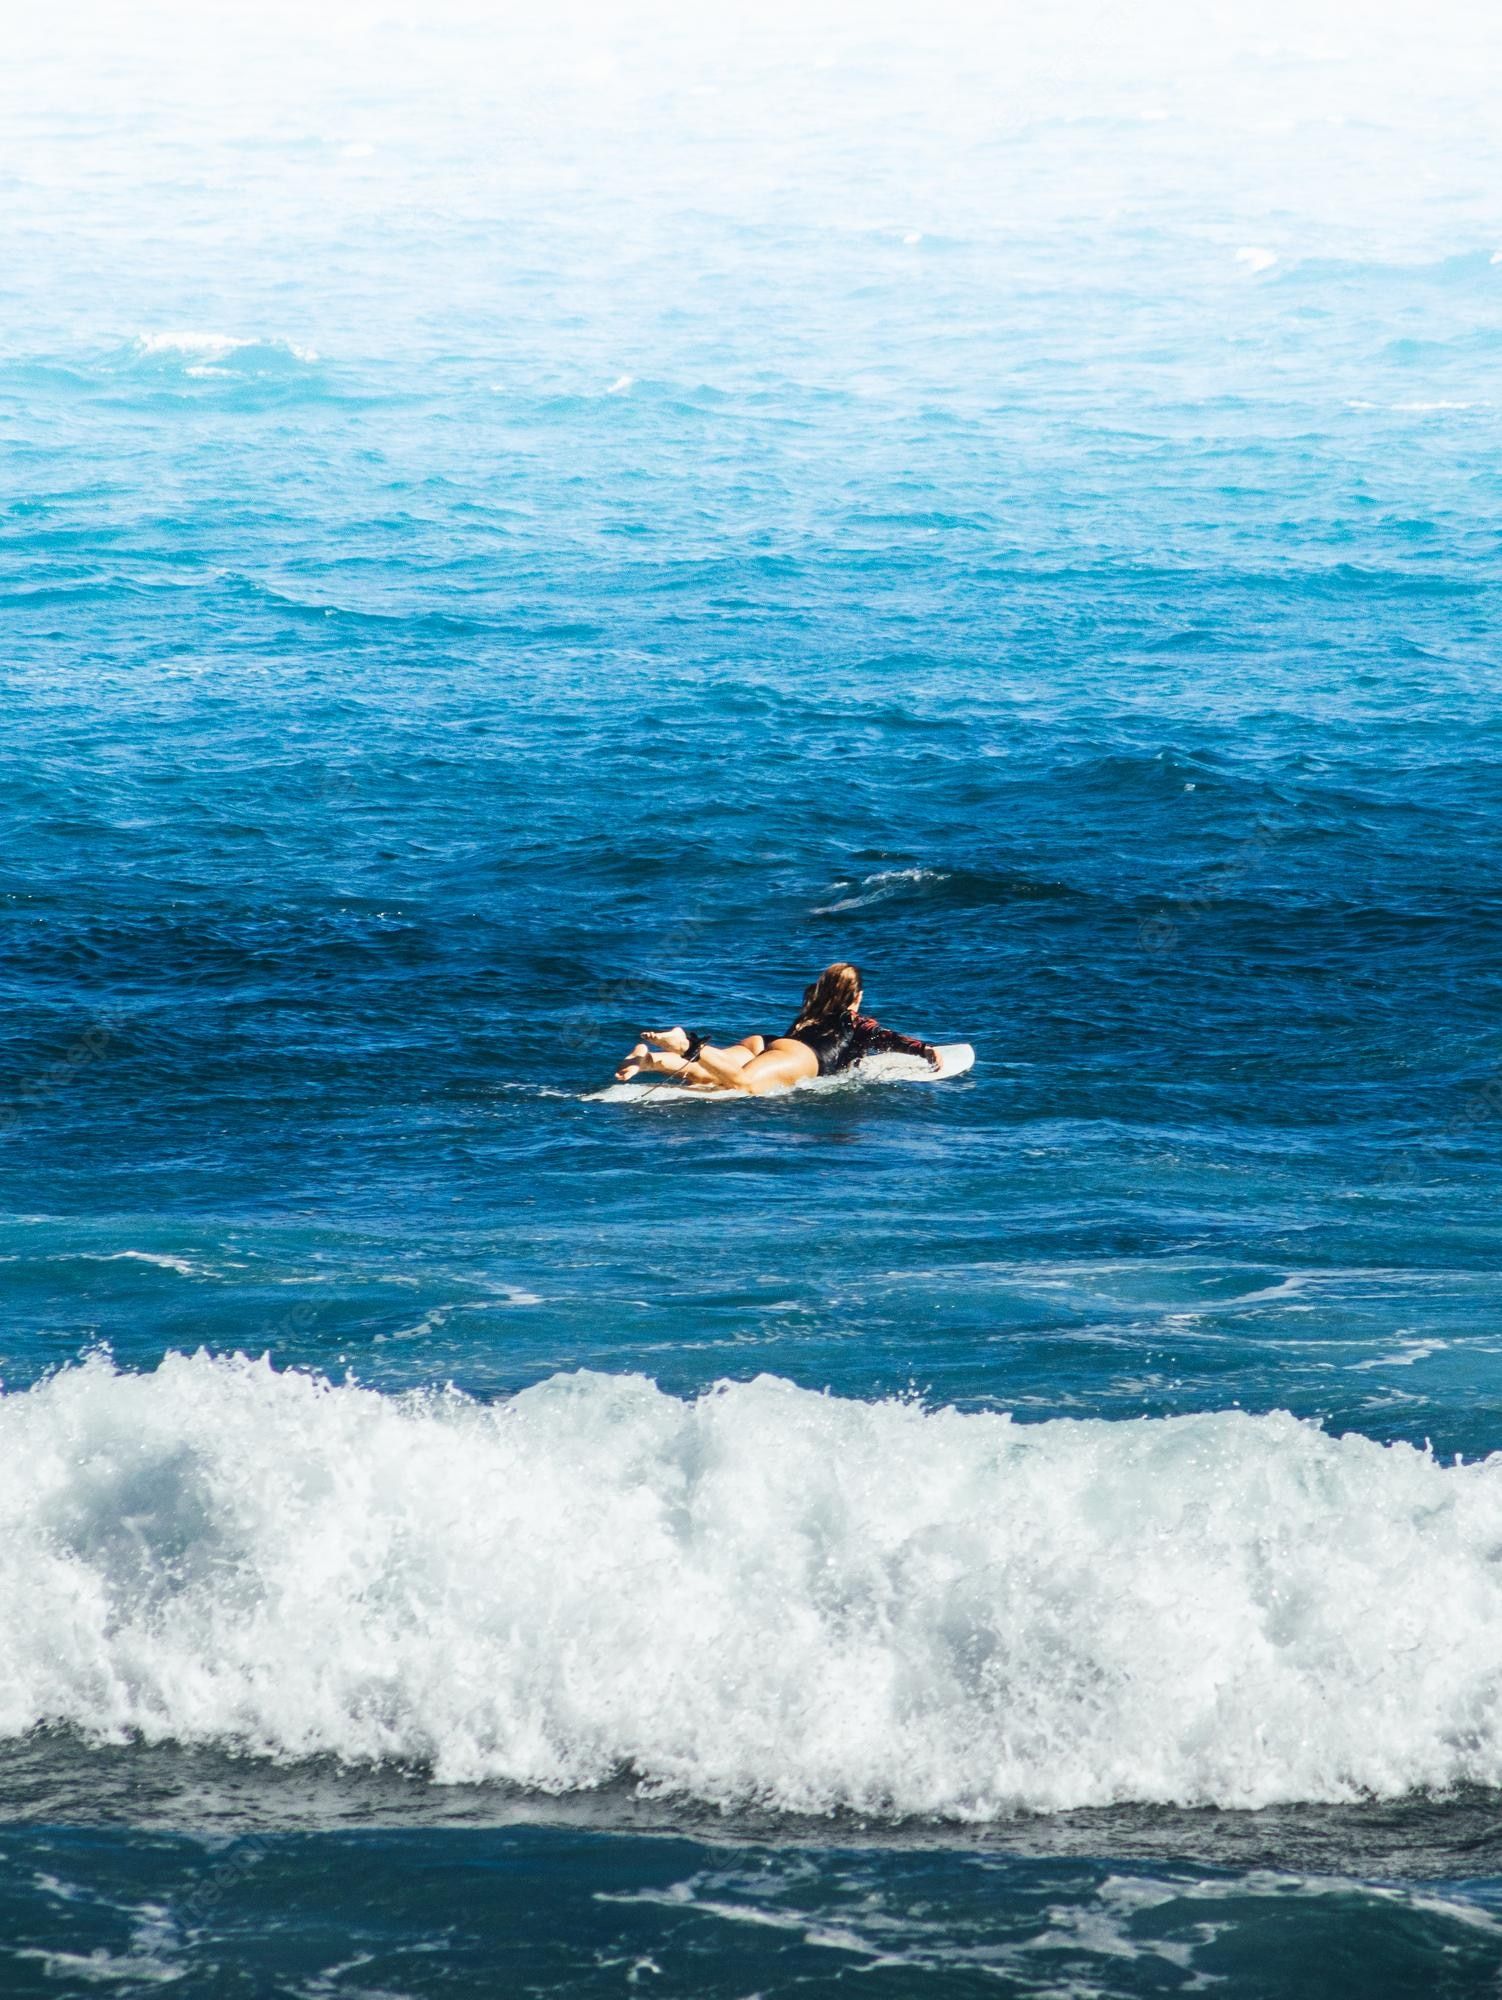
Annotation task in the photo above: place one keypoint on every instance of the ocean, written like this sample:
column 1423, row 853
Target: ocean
column 514, row 529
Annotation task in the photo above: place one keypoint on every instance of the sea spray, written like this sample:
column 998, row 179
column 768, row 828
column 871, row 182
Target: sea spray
column 760, row 1595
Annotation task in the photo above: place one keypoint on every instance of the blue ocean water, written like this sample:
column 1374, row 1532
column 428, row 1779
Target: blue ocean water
column 515, row 530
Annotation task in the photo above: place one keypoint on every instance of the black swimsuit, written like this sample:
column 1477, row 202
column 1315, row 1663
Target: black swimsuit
column 838, row 1044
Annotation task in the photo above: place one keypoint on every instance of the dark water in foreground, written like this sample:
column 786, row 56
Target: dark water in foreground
column 255, row 1875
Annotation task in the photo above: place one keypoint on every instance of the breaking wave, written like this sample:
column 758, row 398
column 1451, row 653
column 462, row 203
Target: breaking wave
column 761, row 1595
column 204, row 356
column 958, row 888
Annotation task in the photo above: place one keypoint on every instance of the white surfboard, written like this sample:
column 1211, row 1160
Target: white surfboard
column 954, row 1059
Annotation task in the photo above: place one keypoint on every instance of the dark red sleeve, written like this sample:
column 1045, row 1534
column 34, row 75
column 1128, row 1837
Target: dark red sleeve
column 872, row 1039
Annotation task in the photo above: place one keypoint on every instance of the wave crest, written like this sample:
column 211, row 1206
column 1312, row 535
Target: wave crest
column 206, row 355
column 761, row 1595
column 957, row 888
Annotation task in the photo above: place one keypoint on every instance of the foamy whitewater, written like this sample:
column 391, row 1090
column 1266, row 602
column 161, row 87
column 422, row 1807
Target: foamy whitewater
column 758, row 1595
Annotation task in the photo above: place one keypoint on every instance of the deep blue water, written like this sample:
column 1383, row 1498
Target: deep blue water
column 512, row 533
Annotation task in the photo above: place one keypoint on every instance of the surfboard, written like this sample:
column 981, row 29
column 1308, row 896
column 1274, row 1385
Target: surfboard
column 954, row 1059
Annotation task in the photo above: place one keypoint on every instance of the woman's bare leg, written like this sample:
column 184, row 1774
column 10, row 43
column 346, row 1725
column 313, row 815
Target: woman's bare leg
column 777, row 1066
column 643, row 1056
column 668, row 1061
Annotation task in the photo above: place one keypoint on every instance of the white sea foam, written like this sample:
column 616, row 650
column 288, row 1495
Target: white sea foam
column 181, row 1265
column 207, row 354
column 1407, row 1355
column 762, row 1594
column 1256, row 259
column 1412, row 409
column 101, row 1968
column 877, row 888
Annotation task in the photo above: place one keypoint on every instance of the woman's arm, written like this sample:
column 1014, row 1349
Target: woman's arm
column 872, row 1039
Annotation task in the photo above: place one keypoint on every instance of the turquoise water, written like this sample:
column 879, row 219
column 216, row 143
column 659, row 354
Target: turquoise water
column 514, row 531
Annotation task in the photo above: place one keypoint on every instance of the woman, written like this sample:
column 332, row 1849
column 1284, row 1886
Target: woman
column 829, row 1035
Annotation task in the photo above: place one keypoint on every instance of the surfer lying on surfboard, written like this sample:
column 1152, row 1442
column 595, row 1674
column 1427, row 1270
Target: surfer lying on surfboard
column 829, row 1035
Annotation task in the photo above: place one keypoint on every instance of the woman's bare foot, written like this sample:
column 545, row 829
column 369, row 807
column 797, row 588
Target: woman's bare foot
column 656, row 1062
column 675, row 1039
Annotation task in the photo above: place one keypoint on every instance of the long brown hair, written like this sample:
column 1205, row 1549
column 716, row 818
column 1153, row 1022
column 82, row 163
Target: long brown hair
column 832, row 995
